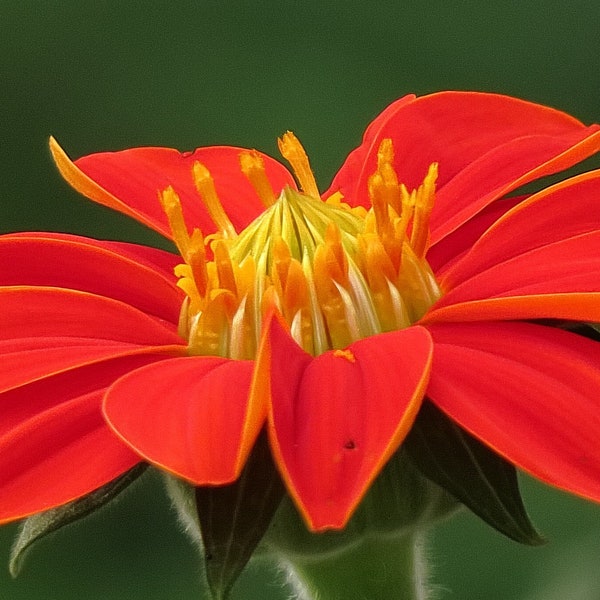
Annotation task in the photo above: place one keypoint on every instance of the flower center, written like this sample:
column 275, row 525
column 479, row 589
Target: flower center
column 336, row 274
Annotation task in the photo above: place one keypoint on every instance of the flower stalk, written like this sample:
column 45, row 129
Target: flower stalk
column 386, row 569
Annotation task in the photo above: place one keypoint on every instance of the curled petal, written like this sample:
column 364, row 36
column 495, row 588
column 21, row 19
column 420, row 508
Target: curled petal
column 129, row 182
column 529, row 392
column 191, row 416
column 336, row 419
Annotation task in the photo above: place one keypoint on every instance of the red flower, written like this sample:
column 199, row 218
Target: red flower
column 329, row 323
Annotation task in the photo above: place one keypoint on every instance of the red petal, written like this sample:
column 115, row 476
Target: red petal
column 546, row 246
column 531, row 393
column 190, row 416
column 486, row 145
column 54, row 444
column 29, row 359
column 336, row 419
column 55, row 312
column 107, row 269
column 503, row 170
column 158, row 260
column 129, row 182
column 442, row 255
column 557, row 213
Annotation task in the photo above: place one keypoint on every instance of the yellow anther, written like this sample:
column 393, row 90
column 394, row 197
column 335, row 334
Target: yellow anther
column 389, row 187
column 385, row 153
column 296, row 294
column 336, row 256
column 171, row 204
column 406, row 214
column 187, row 283
column 289, row 281
column 346, row 354
column 380, row 204
column 225, row 270
column 196, row 258
column 375, row 261
column 330, row 276
column 291, row 149
column 381, row 274
column 253, row 168
column 425, row 196
column 206, row 188
column 210, row 334
column 281, row 263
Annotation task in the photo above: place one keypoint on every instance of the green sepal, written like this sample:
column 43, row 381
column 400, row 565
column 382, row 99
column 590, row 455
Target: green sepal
column 38, row 526
column 400, row 502
column 471, row 472
column 234, row 518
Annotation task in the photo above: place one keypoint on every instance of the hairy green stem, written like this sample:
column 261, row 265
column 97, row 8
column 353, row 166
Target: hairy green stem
column 375, row 568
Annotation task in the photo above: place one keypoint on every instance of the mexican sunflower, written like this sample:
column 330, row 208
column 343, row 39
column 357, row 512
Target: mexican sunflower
column 325, row 318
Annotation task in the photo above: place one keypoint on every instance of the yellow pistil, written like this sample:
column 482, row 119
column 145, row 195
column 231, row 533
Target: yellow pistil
column 336, row 274
column 171, row 204
column 253, row 168
column 291, row 149
column 206, row 188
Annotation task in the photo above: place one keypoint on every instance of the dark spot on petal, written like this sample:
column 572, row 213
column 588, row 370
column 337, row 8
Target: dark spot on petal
column 350, row 445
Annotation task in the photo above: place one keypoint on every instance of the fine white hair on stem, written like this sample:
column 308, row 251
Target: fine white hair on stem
column 421, row 576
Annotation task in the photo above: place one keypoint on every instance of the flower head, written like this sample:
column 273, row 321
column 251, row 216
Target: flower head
column 329, row 318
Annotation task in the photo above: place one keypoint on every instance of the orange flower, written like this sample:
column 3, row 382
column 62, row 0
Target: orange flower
column 328, row 318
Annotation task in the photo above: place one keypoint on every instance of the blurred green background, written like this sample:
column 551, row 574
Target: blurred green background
column 108, row 75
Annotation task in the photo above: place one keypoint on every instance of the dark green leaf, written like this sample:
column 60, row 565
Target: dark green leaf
column 38, row 526
column 588, row 330
column 475, row 475
column 234, row 518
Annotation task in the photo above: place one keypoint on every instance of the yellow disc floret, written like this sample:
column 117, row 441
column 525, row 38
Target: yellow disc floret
column 335, row 273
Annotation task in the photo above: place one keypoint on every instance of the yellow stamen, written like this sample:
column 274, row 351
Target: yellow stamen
column 335, row 274
column 406, row 214
column 330, row 272
column 380, row 204
column 172, row 206
column 210, row 333
column 253, row 168
column 393, row 205
column 188, row 284
column 195, row 257
column 225, row 270
column 289, row 281
column 425, row 196
column 206, row 188
column 291, row 149
column 389, row 187
column 336, row 200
